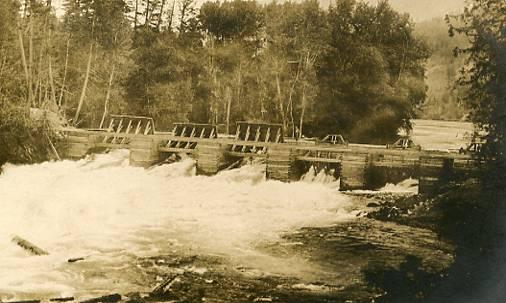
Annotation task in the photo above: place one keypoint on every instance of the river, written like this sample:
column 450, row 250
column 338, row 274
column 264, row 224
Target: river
column 233, row 237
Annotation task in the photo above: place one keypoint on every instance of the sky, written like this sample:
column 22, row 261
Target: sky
column 420, row 10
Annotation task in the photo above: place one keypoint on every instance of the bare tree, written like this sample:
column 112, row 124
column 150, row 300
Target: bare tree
column 186, row 11
column 85, row 85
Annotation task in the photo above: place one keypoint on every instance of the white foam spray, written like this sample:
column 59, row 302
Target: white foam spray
column 406, row 186
column 322, row 177
column 109, row 212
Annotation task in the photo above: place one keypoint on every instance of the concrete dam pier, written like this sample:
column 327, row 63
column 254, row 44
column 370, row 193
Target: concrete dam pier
column 358, row 166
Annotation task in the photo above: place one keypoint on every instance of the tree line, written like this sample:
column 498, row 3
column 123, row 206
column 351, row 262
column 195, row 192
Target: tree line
column 354, row 68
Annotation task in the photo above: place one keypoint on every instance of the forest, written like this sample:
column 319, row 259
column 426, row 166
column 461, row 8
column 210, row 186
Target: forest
column 352, row 68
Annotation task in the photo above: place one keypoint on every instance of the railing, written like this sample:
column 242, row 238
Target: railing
column 185, row 137
column 121, row 125
column 249, row 135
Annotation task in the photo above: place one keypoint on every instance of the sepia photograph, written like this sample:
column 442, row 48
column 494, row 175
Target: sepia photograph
column 230, row 151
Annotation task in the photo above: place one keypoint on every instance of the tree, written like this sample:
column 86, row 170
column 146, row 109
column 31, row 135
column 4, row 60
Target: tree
column 231, row 20
column 13, row 84
column 372, row 77
column 98, row 31
column 484, row 74
column 24, row 38
column 231, row 30
column 473, row 213
column 297, row 38
column 187, row 13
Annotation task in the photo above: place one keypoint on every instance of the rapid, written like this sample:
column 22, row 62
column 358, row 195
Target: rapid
column 232, row 237
column 109, row 213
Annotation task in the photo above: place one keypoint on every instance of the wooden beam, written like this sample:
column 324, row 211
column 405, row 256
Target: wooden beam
column 138, row 128
column 192, row 134
column 243, row 149
column 29, row 247
column 176, row 150
column 316, row 159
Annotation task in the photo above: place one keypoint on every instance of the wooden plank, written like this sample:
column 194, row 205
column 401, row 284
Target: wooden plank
column 138, row 128
column 111, row 125
column 76, row 139
column 278, row 135
column 28, row 246
column 267, row 137
column 257, row 136
column 118, row 130
column 148, row 127
column 112, row 145
column 127, row 131
column 104, row 299
column 76, row 150
column 176, row 150
column 192, row 134
column 321, row 160
column 237, row 133
column 182, row 134
column 246, row 137
column 240, row 154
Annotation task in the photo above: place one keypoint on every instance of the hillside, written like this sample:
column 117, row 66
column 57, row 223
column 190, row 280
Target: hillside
column 442, row 71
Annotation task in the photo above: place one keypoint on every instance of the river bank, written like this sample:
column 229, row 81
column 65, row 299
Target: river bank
column 24, row 139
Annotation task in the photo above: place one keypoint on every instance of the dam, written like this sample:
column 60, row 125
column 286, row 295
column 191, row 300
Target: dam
column 358, row 166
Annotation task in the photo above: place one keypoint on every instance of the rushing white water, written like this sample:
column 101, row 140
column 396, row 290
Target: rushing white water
column 406, row 186
column 108, row 212
column 322, row 177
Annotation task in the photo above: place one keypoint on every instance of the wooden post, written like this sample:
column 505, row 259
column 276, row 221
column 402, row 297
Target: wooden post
column 353, row 171
column 281, row 164
column 144, row 151
column 211, row 157
column 433, row 172
column 78, row 143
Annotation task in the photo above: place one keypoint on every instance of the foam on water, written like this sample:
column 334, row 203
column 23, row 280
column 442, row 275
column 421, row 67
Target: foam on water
column 322, row 177
column 102, row 209
column 406, row 186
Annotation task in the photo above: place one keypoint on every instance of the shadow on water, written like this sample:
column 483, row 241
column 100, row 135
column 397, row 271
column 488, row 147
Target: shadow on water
column 409, row 283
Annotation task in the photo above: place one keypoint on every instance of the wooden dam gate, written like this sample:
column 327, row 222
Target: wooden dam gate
column 358, row 166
